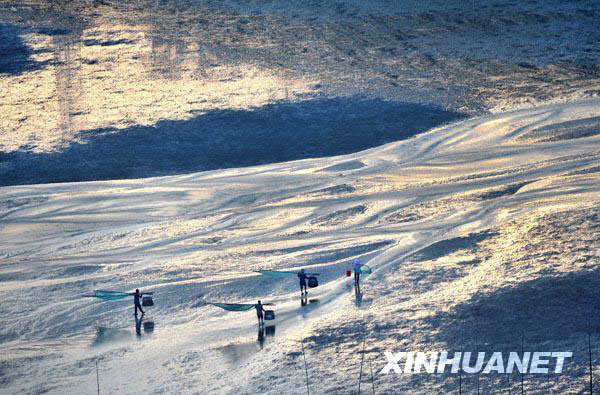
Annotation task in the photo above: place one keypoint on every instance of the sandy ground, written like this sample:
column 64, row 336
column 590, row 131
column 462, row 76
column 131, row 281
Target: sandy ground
column 482, row 235
column 102, row 85
column 452, row 146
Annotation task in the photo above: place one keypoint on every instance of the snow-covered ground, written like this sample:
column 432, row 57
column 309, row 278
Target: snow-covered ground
column 479, row 233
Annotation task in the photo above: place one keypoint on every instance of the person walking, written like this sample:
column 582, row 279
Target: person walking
column 302, row 276
column 260, row 313
column 356, row 266
column 136, row 302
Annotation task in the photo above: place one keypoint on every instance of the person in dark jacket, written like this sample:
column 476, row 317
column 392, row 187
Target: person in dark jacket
column 136, row 302
column 260, row 313
column 302, row 276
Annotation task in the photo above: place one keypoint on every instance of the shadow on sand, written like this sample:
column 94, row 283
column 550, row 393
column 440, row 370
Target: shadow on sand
column 15, row 55
column 548, row 309
column 218, row 139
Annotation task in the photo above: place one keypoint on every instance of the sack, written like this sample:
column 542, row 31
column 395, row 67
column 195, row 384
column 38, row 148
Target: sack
column 312, row 282
column 147, row 301
column 269, row 315
column 348, row 273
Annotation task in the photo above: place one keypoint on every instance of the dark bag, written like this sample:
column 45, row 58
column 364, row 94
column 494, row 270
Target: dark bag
column 312, row 282
column 269, row 315
column 147, row 301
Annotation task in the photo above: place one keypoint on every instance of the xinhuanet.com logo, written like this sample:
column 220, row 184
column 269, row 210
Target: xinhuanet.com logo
column 539, row 362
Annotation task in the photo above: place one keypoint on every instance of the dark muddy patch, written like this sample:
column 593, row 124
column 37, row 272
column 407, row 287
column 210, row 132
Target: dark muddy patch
column 335, row 190
column 565, row 131
column 339, row 216
column 449, row 246
column 503, row 191
column 345, row 166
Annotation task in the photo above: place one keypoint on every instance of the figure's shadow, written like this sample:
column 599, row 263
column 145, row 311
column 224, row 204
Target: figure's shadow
column 276, row 132
column 263, row 331
column 107, row 334
column 146, row 323
column 358, row 297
